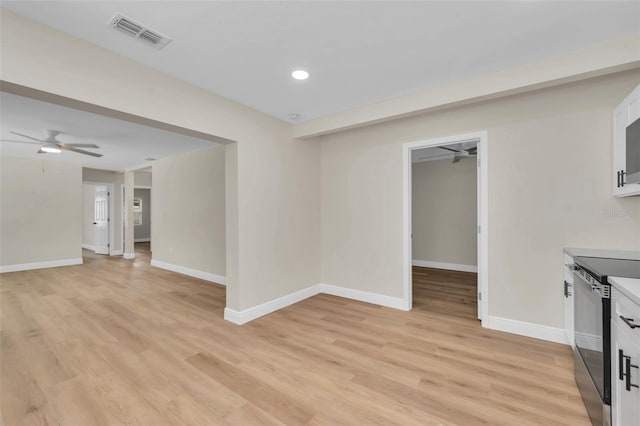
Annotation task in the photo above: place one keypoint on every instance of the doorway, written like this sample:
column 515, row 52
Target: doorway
column 455, row 145
column 142, row 213
column 97, row 211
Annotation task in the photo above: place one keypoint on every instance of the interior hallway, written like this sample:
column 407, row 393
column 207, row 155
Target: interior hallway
column 120, row 342
column 445, row 292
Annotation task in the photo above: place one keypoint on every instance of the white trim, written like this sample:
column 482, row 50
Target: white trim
column 483, row 222
column 242, row 317
column 483, row 237
column 537, row 331
column 207, row 276
column 89, row 247
column 41, row 265
column 444, row 265
column 115, row 253
column 364, row 296
column 129, row 255
column 141, row 240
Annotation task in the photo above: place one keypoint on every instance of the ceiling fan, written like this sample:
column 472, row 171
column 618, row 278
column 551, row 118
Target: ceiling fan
column 458, row 155
column 51, row 145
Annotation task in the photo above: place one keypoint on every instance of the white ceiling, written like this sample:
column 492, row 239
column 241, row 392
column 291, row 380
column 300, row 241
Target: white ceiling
column 357, row 52
column 123, row 144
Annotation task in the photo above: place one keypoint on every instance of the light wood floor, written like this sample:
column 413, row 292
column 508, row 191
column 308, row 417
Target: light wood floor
column 118, row 342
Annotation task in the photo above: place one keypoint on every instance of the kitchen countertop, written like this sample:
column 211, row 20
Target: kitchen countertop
column 630, row 287
column 612, row 254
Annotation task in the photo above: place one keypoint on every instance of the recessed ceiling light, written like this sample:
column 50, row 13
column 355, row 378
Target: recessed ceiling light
column 294, row 116
column 300, row 75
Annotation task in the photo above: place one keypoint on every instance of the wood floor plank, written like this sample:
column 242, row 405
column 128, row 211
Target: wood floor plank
column 115, row 342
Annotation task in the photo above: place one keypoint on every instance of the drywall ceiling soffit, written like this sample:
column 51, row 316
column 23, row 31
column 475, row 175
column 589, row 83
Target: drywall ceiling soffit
column 619, row 56
column 245, row 51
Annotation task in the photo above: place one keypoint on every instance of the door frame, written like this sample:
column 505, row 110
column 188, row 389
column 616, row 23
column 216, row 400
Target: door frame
column 150, row 207
column 481, row 137
column 122, row 213
column 110, row 189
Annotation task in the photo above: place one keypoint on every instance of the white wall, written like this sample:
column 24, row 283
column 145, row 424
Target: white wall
column 444, row 211
column 40, row 211
column 549, row 187
column 275, row 215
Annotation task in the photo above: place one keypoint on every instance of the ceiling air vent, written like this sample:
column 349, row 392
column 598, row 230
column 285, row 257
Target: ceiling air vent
column 132, row 28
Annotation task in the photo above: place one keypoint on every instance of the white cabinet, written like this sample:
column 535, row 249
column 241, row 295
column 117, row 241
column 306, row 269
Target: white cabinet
column 626, row 113
column 568, row 299
column 625, row 360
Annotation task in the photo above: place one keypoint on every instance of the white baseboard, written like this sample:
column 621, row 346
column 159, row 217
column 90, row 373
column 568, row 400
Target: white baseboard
column 89, row 247
column 444, row 265
column 207, row 276
column 141, row 240
column 242, row 317
column 129, row 255
column 40, row 265
column 115, row 253
column 537, row 331
column 363, row 296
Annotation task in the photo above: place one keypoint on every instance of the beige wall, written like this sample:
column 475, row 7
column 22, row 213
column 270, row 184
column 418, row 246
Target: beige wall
column 276, row 213
column 117, row 179
column 189, row 210
column 40, row 211
column 444, row 216
column 142, row 179
column 549, row 187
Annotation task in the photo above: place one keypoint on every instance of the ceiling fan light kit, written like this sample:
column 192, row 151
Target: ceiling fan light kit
column 51, row 149
column 51, row 145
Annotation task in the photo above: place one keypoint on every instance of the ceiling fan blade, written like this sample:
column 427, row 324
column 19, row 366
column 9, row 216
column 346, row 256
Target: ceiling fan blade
column 472, row 150
column 81, row 145
column 28, row 137
column 29, row 142
column 435, row 156
column 448, row 149
column 79, row 151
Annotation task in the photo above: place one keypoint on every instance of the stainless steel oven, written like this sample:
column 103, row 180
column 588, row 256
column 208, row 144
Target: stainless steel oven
column 592, row 320
column 592, row 313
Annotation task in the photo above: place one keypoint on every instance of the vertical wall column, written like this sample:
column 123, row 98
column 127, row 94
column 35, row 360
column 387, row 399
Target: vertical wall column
column 129, row 252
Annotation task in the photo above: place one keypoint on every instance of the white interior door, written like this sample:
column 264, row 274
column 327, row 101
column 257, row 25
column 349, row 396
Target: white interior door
column 101, row 220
